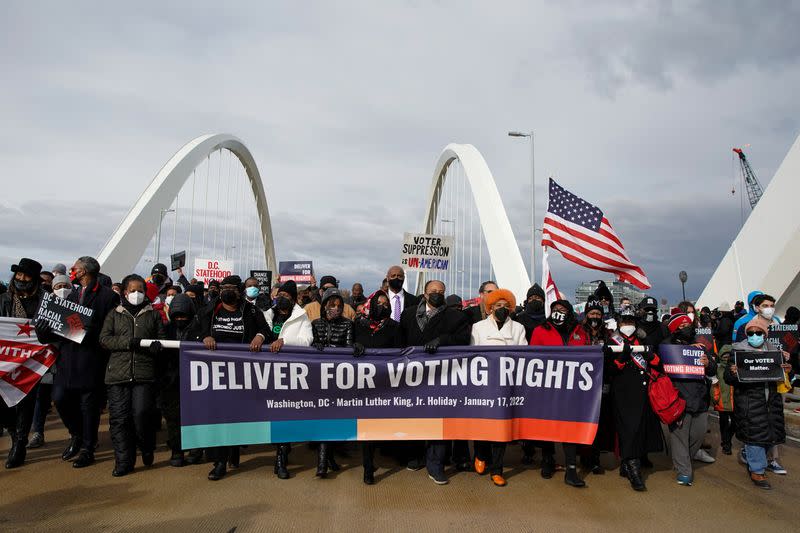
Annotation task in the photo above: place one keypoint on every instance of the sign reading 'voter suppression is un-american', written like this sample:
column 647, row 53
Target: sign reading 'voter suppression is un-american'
column 428, row 253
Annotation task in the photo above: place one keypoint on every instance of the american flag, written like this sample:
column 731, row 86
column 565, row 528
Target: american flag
column 583, row 235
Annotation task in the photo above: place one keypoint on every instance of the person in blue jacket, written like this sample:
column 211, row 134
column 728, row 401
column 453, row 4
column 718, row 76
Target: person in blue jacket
column 759, row 304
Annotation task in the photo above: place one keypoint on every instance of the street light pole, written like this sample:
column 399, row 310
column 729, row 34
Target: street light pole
column 683, row 277
column 533, row 200
column 158, row 233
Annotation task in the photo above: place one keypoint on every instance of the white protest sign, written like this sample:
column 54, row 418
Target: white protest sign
column 207, row 269
column 428, row 253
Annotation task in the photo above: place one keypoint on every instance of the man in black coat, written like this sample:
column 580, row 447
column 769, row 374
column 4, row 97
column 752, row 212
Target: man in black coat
column 399, row 298
column 651, row 331
column 532, row 314
column 78, row 386
column 432, row 324
column 476, row 313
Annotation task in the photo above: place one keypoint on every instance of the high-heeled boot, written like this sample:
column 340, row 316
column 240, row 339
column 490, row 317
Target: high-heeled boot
column 322, row 459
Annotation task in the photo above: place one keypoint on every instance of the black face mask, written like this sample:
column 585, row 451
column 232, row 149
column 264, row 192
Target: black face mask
column 594, row 323
column 283, row 304
column 229, row 296
column 436, row 299
column 24, row 286
column 213, row 294
column 306, row 300
column 158, row 279
column 534, row 307
column 558, row 317
column 379, row 312
column 180, row 323
column 685, row 334
column 501, row 315
column 396, row 284
column 650, row 316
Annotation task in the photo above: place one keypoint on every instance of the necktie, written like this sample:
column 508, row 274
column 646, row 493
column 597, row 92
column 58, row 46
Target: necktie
column 396, row 308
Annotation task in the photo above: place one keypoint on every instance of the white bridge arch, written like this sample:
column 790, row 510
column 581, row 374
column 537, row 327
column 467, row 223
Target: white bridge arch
column 126, row 245
column 503, row 249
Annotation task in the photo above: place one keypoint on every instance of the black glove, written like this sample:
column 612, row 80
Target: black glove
column 625, row 356
column 155, row 347
column 607, row 351
column 649, row 355
column 358, row 349
column 43, row 331
column 134, row 344
column 432, row 346
column 318, row 345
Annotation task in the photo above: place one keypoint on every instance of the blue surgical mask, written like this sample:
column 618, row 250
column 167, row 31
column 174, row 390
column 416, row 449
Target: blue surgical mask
column 755, row 340
column 251, row 292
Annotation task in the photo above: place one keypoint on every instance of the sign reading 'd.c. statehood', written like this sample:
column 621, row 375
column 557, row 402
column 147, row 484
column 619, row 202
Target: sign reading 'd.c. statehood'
column 428, row 253
column 68, row 319
column 232, row 396
column 206, row 270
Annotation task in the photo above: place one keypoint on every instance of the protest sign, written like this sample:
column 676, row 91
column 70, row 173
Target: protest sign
column 752, row 365
column 427, row 253
column 68, row 319
column 177, row 260
column 232, row 396
column 783, row 336
column 682, row 361
column 299, row 271
column 264, row 278
column 23, row 360
column 706, row 338
column 207, row 269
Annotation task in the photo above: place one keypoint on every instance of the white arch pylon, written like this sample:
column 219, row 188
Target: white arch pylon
column 126, row 245
column 503, row 249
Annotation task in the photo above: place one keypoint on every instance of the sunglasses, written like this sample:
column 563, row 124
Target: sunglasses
column 756, row 333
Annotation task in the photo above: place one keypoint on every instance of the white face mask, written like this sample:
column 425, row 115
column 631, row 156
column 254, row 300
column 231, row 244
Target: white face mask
column 135, row 298
column 168, row 300
column 691, row 316
column 767, row 312
column 627, row 330
column 63, row 293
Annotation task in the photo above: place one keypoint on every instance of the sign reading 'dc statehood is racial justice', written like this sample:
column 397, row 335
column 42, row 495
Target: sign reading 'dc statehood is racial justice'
column 231, row 396
column 428, row 253
column 298, row 271
column 758, row 365
column 682, row 361
column 783, row 336
column 68, row 319
column 207, row 269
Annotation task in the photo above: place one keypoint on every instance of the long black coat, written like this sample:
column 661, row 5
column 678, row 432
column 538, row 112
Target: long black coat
column 757, row 408
column 451, row 326
column 638, row 429
column 83, row 366
column 387, row 336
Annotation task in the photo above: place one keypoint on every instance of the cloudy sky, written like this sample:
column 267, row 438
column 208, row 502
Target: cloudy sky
column 346, row 107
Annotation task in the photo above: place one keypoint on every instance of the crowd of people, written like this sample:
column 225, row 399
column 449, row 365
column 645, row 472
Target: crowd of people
column 139, row 385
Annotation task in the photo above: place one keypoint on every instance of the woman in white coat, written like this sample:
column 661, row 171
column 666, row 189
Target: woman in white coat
column 290, row 323
column 497, row 329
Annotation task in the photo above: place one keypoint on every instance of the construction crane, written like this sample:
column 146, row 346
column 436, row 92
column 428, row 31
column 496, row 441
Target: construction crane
column 754, row 191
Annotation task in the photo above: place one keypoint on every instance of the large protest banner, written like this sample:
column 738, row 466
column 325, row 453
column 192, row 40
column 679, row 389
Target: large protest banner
column 232, row 396
column 427, row 253
column 23, row 360
column 207, row 269
column 298, row 271
column 682, row 361
column 68, row 319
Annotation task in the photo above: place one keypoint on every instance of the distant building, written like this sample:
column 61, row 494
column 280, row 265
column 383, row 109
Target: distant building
column 618, row 290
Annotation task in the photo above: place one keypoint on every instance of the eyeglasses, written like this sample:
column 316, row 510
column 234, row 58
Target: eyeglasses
column 756, row 333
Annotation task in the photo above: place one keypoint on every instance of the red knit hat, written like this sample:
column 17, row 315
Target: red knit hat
column 677, row 320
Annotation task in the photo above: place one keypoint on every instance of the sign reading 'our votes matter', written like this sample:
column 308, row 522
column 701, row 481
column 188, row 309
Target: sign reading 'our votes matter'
column 758, row 365
column 428, row 253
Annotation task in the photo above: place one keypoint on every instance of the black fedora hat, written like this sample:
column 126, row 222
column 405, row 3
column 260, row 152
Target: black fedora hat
column 28, row 266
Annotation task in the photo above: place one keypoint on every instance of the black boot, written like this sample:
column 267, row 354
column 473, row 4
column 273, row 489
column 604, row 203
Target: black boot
column 332, row 464
column 233, row 461
column 635, row 474
column 369, row 475
column 571, row 477
column 623, row 470
column 281, row 458
column 548, row 466
column 16, row 455
column 195, row 457
column 322, row 460
column 177, row 459
column 218, row 472
column 85, row 458
column 72, row 448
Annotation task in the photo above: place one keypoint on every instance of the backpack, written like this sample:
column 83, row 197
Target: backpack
column 664, row 399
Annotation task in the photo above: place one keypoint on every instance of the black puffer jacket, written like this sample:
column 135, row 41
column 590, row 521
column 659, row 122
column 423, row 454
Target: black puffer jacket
column 757, row 408
column 120, row 327
column 337, row 333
